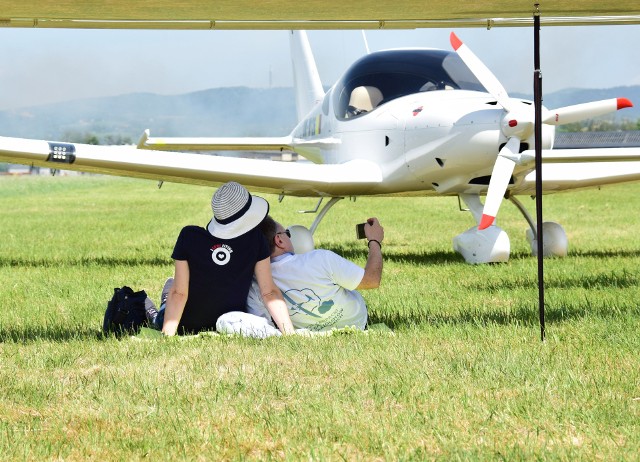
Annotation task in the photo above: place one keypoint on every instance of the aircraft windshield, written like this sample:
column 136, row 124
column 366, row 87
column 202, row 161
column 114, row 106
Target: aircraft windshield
column 383, row 76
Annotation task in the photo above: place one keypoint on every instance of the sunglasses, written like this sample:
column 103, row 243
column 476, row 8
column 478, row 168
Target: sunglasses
column 286, row 231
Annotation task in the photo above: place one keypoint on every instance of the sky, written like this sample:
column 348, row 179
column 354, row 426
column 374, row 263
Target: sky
column 40, row 66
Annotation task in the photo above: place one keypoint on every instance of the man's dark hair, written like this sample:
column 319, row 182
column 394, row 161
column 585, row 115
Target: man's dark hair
column 268, row 228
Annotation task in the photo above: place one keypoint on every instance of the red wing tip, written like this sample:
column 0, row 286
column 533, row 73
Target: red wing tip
column 485, row 222
column 455, row 41
column 624, row 102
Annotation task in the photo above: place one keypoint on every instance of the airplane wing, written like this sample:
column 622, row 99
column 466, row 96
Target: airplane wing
column 326, row 14
column 355, row 177
column 570, row 169
column 564, row 156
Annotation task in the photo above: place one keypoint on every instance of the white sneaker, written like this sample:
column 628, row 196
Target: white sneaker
column 150, row 311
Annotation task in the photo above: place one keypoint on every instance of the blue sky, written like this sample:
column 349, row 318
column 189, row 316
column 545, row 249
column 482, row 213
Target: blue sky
column 49, row 65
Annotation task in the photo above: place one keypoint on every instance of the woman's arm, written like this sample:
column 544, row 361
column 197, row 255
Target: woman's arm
column 177, row 298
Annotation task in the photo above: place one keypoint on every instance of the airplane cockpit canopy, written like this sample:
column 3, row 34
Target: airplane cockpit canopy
column 386, row 75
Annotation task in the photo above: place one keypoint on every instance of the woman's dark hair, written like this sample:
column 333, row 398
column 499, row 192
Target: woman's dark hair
column 268, row 228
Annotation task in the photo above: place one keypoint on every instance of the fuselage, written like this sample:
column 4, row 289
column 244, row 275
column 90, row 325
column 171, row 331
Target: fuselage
column 425, row 121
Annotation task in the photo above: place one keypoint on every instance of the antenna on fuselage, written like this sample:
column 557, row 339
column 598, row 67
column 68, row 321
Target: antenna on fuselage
column 366, row 44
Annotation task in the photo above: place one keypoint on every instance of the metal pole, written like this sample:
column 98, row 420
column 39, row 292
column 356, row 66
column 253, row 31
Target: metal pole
column 537, row 100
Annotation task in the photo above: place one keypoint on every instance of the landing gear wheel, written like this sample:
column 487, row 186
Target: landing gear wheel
column 555, row 239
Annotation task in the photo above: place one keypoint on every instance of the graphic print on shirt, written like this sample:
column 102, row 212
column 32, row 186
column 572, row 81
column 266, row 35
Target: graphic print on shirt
column 306, row 301
column 221, row 254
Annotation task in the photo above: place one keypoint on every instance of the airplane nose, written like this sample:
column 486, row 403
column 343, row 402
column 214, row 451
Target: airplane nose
column 517, row 126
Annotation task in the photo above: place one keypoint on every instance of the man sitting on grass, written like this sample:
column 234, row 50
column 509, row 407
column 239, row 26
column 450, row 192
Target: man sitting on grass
column 320, row 287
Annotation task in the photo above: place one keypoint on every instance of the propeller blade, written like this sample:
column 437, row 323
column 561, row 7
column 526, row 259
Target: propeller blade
column 575, row 113
column 502, row 170
column 482, row 72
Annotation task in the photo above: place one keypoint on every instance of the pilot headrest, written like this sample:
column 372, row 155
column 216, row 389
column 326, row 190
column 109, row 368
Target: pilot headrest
column 365, row 98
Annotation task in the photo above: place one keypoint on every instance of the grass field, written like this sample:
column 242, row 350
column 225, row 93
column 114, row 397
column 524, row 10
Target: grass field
column 464, row 375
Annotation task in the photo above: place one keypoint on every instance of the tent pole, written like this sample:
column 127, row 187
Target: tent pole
column 537, row 97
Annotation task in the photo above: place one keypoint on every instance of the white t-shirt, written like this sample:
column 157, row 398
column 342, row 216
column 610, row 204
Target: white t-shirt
column 319, row 289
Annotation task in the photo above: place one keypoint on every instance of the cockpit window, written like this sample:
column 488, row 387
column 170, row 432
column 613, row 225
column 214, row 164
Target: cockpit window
column 383, row 76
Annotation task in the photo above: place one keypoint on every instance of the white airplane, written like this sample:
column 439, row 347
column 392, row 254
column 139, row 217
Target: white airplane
column 403, row 122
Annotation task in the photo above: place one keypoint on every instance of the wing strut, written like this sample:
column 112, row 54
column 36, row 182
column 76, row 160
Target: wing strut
column 537, row 101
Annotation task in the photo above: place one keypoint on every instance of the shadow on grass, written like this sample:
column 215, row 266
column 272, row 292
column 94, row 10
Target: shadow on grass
column 446, row 257
column 29, row 334
column 85, row 261
column 350, row 252
column 604, row 253
column 608, row 280
column 523, row 315
column 418, row 258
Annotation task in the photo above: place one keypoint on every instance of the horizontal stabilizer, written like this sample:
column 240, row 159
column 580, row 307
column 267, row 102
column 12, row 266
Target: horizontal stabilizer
column 282, row 143
column 309, row 148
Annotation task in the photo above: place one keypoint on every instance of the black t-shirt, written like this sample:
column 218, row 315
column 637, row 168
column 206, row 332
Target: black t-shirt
column 220, row 274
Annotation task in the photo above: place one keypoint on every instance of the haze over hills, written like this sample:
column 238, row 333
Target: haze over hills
column 231, row 111
column 235, row 111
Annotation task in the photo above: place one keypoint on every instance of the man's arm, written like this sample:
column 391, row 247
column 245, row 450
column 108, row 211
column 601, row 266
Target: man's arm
column 272, row 297
column 373, row 269
column 177, row 298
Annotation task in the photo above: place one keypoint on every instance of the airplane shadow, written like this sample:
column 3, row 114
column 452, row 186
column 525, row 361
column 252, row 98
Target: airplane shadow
column 528, row 314
column 608, row 280
column 606, row 253
column 425, row 258
column 85, row 261
column 523, row 315
column 445, row 257
column 422, row 258
column 28, row 334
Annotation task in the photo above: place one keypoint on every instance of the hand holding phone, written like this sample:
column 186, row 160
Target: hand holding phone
column 376, row 232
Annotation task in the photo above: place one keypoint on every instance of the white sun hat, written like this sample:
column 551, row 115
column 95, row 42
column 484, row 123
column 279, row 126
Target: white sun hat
column 235, row 211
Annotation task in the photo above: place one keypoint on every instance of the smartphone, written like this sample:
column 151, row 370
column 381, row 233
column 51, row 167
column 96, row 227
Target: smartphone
column 360, row 231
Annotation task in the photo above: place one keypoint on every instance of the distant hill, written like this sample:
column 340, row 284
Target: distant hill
column 234, row 111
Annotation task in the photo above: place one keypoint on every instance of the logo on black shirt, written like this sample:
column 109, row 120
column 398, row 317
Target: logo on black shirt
column 221, row 254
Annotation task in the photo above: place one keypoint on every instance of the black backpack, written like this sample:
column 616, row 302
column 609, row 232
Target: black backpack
column 125, row 312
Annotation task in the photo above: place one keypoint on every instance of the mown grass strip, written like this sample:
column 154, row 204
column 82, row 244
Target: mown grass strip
column 463, row 375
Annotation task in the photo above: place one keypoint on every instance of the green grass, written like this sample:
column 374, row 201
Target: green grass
column 464, row 376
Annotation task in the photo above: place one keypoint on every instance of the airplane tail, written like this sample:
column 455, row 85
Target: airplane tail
column 306, row 79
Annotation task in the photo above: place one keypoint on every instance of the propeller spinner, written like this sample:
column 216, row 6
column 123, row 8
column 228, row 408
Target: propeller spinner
column 518, row 125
